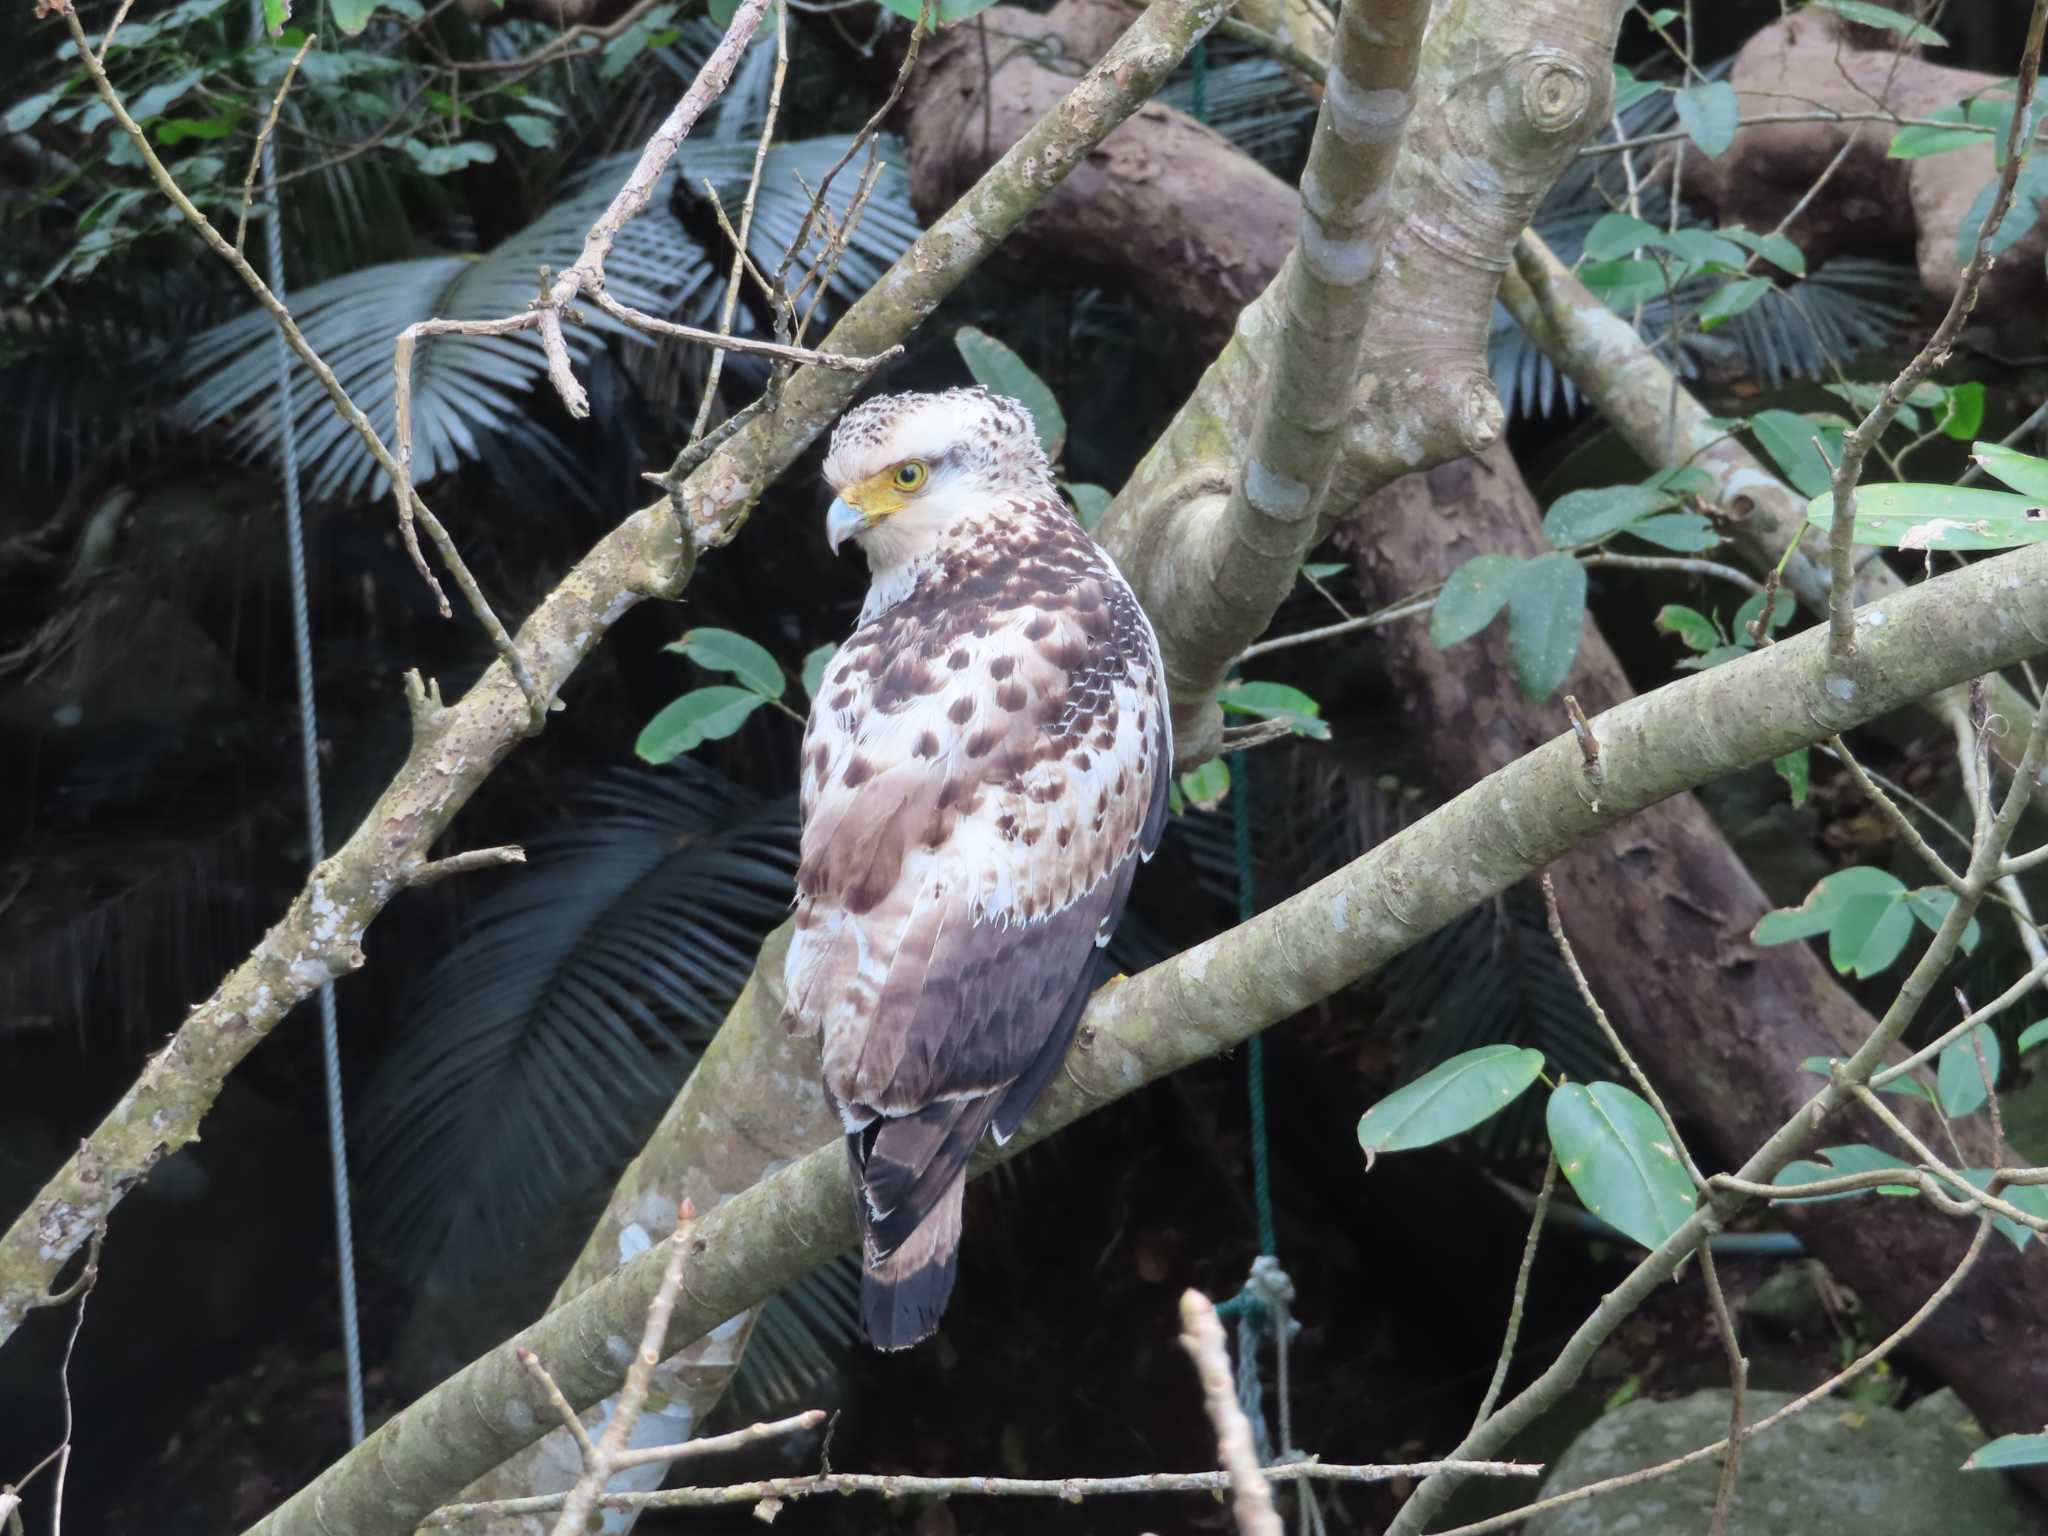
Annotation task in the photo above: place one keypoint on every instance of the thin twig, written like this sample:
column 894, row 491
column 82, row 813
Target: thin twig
column 1202, row 1337
column 1738, row 1390
column 107, row 41
column 1681, row 564
column 1406, row 608
column 434, row 870
column 1891, row 812
column 1833, row 1384
column 1964, row 1189
column 1540, row 1213
column 262, row 137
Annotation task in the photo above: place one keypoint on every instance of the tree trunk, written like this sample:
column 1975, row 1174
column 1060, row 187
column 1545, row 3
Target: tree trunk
column 1660, row 911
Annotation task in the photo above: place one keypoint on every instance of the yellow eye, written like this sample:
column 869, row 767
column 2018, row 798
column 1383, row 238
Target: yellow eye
column 910, row 474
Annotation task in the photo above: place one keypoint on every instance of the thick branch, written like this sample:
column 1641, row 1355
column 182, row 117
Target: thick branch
column 1221, row 992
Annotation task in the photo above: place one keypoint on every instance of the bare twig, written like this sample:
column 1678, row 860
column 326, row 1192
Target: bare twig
column 1507, row 1345
column 1407, row 608
column 262, row 136
column 10, row 1503
column 433, row 870
column 1963, row 1189
column 1202, row 1337
column 1898, row 818
column 1863, row 437
column 1684, row 565
column 1738, row 1392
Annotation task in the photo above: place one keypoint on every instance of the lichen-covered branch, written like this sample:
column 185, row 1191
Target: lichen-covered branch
column 455, row 748
column 1269, row 521
column 1496, row 118
column 1223, row 991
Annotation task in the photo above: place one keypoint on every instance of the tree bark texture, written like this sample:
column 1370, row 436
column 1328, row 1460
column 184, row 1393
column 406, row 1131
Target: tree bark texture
column 1874, row 206
column 1660, row 911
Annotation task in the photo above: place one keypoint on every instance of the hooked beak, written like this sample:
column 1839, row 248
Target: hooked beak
column 844, row 521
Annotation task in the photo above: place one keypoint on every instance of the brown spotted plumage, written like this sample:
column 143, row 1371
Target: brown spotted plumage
column 984, row 768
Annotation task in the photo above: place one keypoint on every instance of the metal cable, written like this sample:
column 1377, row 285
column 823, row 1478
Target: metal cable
column 316, row 837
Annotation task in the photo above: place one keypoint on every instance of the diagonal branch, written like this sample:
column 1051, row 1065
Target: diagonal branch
column 1221, row 992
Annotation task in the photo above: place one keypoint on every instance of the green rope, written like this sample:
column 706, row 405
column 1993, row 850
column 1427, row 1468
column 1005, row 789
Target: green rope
column 1255, row 1057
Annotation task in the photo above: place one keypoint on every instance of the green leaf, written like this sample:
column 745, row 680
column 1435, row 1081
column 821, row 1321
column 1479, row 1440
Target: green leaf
column 2021, row 217
column 1276, row 701
column 1870, row 932
column 1720, row 655
column 1690, row 625
column 1580, row 517
column 1779, row 250
column 2022, row 471
column 1323, row 570
column 1963, row 417
column 275, row 14
column 1782, row 609
column 1624, row 284
column 2031, row 1198
column 1882, row 16
column 352, row 15
column 1475, row 592
column 1664, row 16
column 622, row 50
column 1206, row 786
column 1796, row 769
column 1788, row 438
column 1449, row 1099
column 1619, row 1159
column 1001, row 371
column 947, row 11
column 1904, row 1087
column 440, row 159
column 1702, row 248
column 709, row 714
column 1618, row 234
column 1686, row 532
column 1906, row 516
column 1710, row 113
column 1090, row 502
column 533, row 130
column 175, row 130
column 1546, row 613
column 1628, row 90
column 1958, row 1081
column 2009, row 1451
column 27, row 112
column 720, row 650
column 1823, row 904
column 1844, row 1160
column 814, row 668
column 722, row 11
column 1920, row 140
column 1931, row 905
column 1731, row 299
column 2033, row 1035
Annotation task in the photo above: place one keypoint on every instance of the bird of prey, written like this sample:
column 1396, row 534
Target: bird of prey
column 984, row 767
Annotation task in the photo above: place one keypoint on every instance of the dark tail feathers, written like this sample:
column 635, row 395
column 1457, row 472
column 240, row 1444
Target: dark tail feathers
column 903, row 1296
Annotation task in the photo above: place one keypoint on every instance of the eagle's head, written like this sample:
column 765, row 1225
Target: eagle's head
column 908, row 468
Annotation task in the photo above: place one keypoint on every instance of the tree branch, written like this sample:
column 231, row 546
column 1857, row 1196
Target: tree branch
column 1222, row 991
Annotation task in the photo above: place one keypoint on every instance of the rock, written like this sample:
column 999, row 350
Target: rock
column 1837, row 1469
column 1788, row 1302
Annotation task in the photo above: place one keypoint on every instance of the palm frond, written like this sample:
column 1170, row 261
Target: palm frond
column 469, row 389
column 568, row 1012
column 1254, row 101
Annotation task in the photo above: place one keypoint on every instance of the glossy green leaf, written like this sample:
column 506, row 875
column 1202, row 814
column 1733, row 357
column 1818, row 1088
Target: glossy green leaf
column 27, row 112
column 1323, row 570
column 1865, row 14
column 441, row 159
column 1618, row 234
column 1731, row 299
column 1688, row 533
column 1690, row 625
column 1619, row 1160
column 1931, row 905
column 1710, row 114
column 1869, row 933
column 532, row 129
column 1451, row 1098
column 720, row 650
column 1919, row 140
column 2021, row 217
column 2033, row 1035
column 1779, row 250
column 176, row 130
column 709, row 714
column 947, row 11
column 1837, row 1162
column 1703, row 249
column 1090, row 502
column 1959, row 1080
column 2009, row 1451
column 1823, row 905
column 1475, row 592
column 1912, row 516
column 1276, row 701
column 1796, row 769
column 275, row 14
column 1788, row 438
column 1546, row 615
column 1623, row 284
column 814, row 668
column 1963, row 416
column 352, row 15
column 2031, row 1198
column 2021, row 471
column 1206, row 786
column 1580, row 517
column 1001, row 371
column 1719, row 656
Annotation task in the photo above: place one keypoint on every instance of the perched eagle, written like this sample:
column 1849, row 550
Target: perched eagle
column 985, row 765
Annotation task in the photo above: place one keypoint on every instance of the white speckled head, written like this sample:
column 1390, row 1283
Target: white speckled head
column 908, row 467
